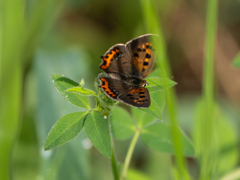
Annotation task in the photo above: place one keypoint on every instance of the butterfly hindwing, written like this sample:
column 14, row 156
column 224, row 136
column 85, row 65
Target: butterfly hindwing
column 142, row 54
column 136, row 96
column 113, row 87
column 117, row 60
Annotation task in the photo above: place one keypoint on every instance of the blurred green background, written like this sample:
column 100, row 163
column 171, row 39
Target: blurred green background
column 40, row 37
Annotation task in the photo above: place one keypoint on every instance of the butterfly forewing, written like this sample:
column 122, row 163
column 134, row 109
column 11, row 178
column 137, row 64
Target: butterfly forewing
column 138, row 97
column 117, row 60
column 112, row 87
column 142, row 54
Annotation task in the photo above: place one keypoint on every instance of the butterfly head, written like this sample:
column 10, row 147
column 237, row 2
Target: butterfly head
column 145, row 83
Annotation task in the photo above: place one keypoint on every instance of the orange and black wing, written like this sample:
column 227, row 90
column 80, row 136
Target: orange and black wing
column 142, row 54
column 137, row 97
column 117, row 60
column 112, row 87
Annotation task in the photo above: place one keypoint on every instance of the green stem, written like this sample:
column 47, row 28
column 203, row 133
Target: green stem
column 129, row 154
column 113, row 159
column 208, row 90
column 153, row 26
column 11, row 74
column 114, row 166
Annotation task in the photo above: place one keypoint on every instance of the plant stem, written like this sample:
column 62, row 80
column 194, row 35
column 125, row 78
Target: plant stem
column 129, row 154
column 11, row 77
column 153, row 26
column 113, row 159
column 208, row 90
column 114, row 166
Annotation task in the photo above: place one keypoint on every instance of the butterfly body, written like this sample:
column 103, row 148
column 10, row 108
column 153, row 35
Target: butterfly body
column 128, row 65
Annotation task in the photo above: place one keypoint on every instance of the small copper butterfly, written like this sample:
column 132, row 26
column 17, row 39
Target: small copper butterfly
column 127, row 65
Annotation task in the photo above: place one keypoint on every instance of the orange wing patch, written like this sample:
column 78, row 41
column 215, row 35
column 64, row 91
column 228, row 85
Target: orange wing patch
column 107, row 59
column 140, row 91
column 106, row 88
column 142, row 64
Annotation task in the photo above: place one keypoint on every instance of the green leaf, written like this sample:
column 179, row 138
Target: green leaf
column 97, row 130
column 158, row 84
column 65, row 129
column 82, row 91
column 63, row 83
column 160, row 99
column 158, row 136
column 236, row 61
column 121, row 124
column 142, row 119
column 153, row 110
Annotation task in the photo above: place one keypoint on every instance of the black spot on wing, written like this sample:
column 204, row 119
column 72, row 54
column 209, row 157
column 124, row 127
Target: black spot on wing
column 148, row 56
column 135, row 55
column 145, row 63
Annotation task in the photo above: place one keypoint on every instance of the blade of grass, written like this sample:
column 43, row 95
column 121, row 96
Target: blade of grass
column 153, row 26
column 11, row 30
column 208, row 90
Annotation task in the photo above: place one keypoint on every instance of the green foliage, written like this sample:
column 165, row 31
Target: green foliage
column 25, row 24
column 153, row 110
column 62, row 84
column 65, row 129
column 82, row 91
column 158, row 137
column 224, row 153
column 159, row 84
column 122, row 124
column 142, row 119
column 97, row 129
column 96, row 124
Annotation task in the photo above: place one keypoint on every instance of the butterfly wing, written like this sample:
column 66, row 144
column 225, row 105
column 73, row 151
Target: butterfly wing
column 113, row 87
column 117, row 60
column 137, row 97
column 142, row 54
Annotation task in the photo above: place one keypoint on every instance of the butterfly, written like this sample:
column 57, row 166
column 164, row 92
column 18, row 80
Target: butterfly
column 127, row 65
